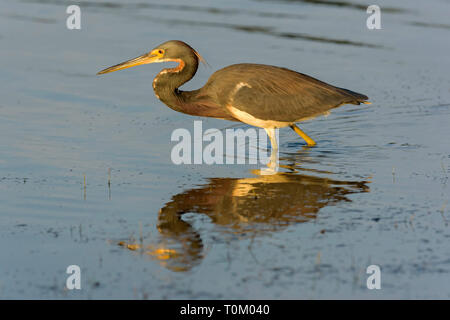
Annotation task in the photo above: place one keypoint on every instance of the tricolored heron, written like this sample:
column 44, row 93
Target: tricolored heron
column 260, row 95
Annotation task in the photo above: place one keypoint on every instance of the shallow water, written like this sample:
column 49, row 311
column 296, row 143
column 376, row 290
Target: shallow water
column 86, row 176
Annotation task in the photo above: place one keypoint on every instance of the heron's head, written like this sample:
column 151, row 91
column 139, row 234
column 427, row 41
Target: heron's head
column 173, row 50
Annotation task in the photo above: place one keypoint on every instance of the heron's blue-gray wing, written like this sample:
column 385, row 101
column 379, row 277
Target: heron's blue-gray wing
column 273, row 93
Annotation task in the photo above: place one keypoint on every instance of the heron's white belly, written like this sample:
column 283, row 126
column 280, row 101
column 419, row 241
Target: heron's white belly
column 251, row 120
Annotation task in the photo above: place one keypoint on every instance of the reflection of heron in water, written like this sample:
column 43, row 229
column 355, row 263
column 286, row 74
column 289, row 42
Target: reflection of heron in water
column 247, row 206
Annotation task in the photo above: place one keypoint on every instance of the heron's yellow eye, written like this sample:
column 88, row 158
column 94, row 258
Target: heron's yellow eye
column 159, row 53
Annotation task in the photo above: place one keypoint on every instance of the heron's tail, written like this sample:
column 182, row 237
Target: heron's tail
column 358, row 97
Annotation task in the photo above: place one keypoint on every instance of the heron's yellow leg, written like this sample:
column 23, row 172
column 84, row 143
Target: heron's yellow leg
column 304, row 136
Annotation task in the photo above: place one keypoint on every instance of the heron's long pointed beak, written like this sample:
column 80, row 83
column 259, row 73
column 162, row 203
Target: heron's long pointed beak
column 144, row 59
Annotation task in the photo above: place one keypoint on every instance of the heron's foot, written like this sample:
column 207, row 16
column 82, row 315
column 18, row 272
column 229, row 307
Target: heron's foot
column 267, row 171
column 272, row 165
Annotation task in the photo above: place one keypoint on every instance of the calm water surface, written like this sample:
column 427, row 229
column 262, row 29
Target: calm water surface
column 374, row 191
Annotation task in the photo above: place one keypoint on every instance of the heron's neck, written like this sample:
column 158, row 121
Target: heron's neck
column 167, row 82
